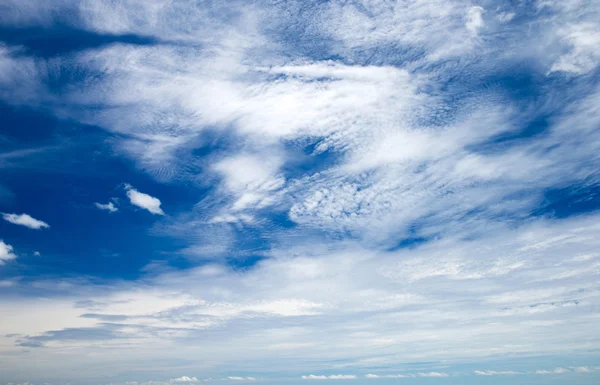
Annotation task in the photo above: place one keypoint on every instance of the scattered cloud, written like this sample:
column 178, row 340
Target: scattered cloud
column 144, row 201
column 183, row 379
column 110, row 206
column 236, row 378
column 25, row 220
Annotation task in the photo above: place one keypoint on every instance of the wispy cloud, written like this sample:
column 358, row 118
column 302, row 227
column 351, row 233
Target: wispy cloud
column 582, row 369
column 496, row 373
column 25, row 220
column 330, row 377
column 432, row 374
column 110, row 206
column 377, row 376
column 555, row 371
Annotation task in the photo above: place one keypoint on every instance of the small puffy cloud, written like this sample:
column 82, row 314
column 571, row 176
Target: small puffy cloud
column 433, row 374
column 107, row 206
column 330, row 377
column 183, row 379
column 236, row 378
column 25, row 220
column 6, row 252
column 36, row 253
column 144, row 201
column 555, row 371
column 495, row 373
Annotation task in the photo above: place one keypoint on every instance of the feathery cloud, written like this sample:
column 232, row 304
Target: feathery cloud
column 110, row 206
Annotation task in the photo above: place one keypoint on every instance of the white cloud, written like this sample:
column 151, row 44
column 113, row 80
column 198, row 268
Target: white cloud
column 236, row 378
column 252, row 180
column 183, row 379
column 432, row 374
column 475, row 19
column 377, row 376
column 348, row 303
column 496, row 373
column 555, row 371
column 583, row 56
column 144, row 201
column 582, row 369
column 25, row 220
column 406, row 157
column 330, row 377
column 107, row 206
column 6, row 253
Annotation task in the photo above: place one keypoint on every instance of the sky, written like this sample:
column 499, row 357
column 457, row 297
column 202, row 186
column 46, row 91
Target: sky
column 293, row 192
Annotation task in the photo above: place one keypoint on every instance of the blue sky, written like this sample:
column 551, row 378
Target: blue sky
column 356, row 192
